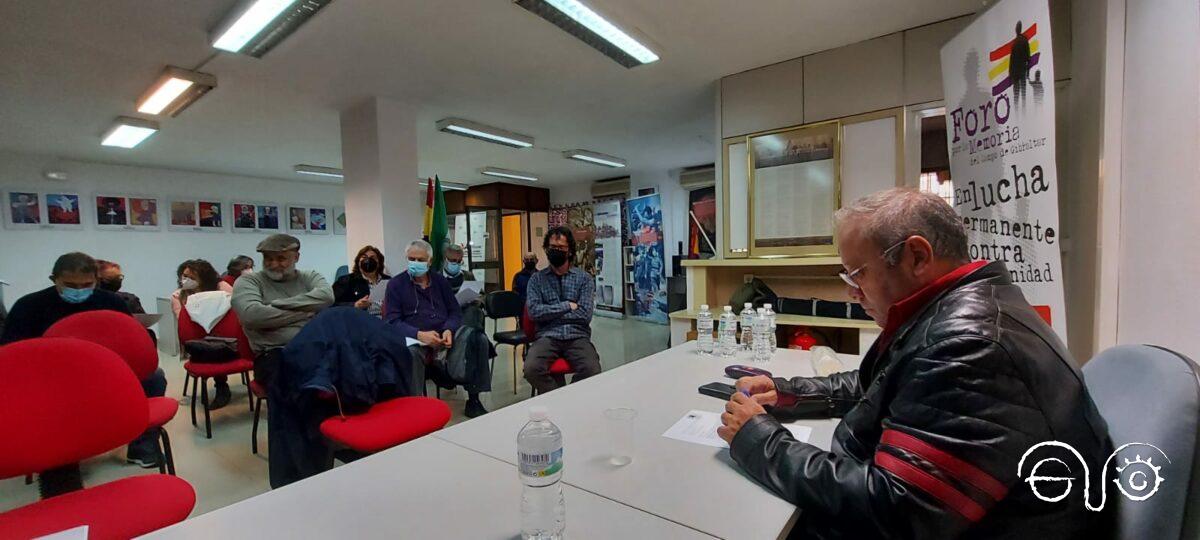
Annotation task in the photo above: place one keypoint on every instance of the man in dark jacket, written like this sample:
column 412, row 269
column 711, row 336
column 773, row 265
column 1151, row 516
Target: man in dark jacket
column 964, row 379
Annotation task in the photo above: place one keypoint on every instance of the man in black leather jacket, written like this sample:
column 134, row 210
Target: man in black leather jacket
column 964, row 379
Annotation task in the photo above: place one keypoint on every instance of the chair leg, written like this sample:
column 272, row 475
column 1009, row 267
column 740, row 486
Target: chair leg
column 249, row 395
column 186, row 378
column 195, row 381
column 204, row 400
column 254, row 428
column 514, row 369
column 167, row 453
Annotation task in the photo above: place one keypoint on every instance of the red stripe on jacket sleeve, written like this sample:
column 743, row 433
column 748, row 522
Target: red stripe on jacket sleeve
column 926, row 482
column 957, row 468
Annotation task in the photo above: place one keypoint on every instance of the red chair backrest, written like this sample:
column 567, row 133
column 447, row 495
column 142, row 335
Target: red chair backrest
column 116, row 331
column 64, row 400
column 229, row 326
column 527, row 325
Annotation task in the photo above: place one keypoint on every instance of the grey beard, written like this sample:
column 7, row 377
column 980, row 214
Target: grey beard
column 286, row 275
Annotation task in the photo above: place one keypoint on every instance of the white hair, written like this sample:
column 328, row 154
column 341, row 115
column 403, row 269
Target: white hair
column 421, row 245
column 454, row 248
column 890, row 216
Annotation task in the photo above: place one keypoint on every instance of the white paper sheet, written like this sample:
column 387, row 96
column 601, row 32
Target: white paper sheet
column 700, row 427
column 469, row 292
column 78, row 533
column 410, row 342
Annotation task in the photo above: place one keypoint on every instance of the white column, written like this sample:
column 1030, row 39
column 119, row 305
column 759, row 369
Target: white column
column 384, row 204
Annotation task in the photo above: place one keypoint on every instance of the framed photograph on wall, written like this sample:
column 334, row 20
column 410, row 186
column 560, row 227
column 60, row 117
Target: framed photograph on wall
column 794, row 187
column 63, row 210
column 318, row 220
column 23, row 210
column 143, row 213
column 212, row 215
column 339, row 220
column 245, row 217
column 184, row 215
column 268, row 217
column 112, row 212
column 297, row 218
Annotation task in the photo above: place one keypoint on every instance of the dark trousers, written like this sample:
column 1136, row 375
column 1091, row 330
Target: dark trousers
column 579, row 352
column 154, row 386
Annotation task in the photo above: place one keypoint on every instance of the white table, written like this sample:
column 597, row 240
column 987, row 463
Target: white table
column 698, row 486
column 427, row 488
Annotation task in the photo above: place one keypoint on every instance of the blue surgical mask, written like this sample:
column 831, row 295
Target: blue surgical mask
column 453, row 268
column 417, row 268
column 76, row 296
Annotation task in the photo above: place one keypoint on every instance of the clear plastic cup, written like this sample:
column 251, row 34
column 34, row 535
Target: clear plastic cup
column 620, row 434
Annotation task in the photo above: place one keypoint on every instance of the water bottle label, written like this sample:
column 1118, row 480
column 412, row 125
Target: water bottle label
column 539, row 465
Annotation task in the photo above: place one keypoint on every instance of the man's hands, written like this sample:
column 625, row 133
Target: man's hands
column 447, row 339
column 738, row 411
column 573, row 305
column 363, row 303
column 435, row 340
column 761, row 388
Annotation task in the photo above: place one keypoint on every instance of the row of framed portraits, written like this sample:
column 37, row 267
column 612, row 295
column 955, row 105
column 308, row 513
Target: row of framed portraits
column 31, row 209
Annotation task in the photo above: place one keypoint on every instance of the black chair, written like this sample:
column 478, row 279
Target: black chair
column 504, row 305
column 1152, row 395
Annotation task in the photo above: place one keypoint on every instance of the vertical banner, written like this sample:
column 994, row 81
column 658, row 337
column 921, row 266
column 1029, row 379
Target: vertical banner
column 649, row 266
column 609, row 268
column 998, row 77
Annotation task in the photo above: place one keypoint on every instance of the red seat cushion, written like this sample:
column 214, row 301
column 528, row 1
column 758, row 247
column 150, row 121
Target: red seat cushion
column 560, row 367
column 388, row 424
column 199, row 369
column 125, row 508
column 258, row 389
column 162, row 410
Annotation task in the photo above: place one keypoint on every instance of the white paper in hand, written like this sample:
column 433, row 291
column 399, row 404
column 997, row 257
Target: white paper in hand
column 700, row 427
column 469, row 292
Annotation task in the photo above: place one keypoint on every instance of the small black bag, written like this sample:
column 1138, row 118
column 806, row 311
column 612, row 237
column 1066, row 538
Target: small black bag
column 211, row 349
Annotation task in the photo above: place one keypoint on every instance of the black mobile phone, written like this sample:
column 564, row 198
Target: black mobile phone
column 718, row 390
column 739, row 371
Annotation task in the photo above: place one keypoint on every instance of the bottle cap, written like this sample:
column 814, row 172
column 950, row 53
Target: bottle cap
column 728, row 308
column 747, row 304
column 767, row 305
column 538, row 413
column 703, row 307
column 762, row 311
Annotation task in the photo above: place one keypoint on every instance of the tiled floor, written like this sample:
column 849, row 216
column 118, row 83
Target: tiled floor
column 222, row 469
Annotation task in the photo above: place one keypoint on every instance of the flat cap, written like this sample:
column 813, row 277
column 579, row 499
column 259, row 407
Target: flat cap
column 278, row 242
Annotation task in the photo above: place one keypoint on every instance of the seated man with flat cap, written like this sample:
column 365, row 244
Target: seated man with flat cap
column 274, row 303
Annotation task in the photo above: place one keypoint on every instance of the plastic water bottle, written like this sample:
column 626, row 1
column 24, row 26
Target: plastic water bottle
column 825, row 362
column 728, row 333
column 771, row 319
column 704, row 330
column 747, row 325
column 540, row 458
column 762, row 345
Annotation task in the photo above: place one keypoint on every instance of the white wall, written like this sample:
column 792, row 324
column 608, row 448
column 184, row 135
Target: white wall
column 149, row 259
column 1159, row 299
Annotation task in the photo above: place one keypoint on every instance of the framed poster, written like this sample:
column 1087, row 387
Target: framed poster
column 63, row 211
column 268, row 217
column 794, row 190
column 212, row 218
column 143, row 213
column 112, row 212
column 339, row 220
column 183, row 215
column 297, row 218
column 245, row 217
column 22, row 210
column 318, row 220
column 648, row 277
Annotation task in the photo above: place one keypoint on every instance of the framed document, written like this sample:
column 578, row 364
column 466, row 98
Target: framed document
column 794, row 190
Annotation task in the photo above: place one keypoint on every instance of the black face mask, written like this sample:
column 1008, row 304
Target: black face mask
column 531, row 265
column 368, row 265
column 557, row 257
column 112, row 285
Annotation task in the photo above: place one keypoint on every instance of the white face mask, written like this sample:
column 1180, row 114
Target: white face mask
column 188, row 284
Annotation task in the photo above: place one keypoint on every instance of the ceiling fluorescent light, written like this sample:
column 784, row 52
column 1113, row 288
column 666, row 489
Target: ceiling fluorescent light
column 175, row 89
column 595, row 157
column 505, row 173
column 482, row 132
column 313, row 170
column 255, row 27
column 128, row 132
column 448, row 186
column 589, row 27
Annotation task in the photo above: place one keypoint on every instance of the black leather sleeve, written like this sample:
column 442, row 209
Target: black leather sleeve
column 841, row 390
column 958, row 419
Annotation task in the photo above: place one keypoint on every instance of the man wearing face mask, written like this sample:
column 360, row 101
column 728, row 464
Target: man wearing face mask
column 111, row 279
column 520, row 282
column 453, row 270
column 74, row 291
column 560, row 301
column 274, row 303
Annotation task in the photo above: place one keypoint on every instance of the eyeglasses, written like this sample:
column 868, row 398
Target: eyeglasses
column 849, row 277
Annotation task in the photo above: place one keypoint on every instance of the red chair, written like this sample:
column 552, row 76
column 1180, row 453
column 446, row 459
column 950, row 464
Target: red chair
column 228, row 327
column 65, row 400
column 387, row 424
column 125, row 336
column 559, row 369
